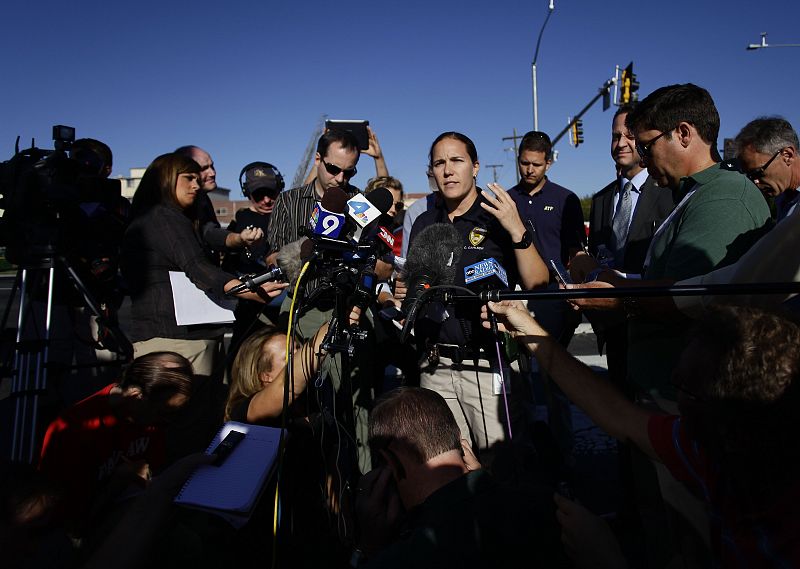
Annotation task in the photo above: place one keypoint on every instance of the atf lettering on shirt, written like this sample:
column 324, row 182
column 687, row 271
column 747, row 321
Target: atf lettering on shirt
column 477, row 235
column 548, row 208
column 485, row 269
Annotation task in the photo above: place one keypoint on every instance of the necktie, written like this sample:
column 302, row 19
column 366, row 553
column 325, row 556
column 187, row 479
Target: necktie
column 619, row 225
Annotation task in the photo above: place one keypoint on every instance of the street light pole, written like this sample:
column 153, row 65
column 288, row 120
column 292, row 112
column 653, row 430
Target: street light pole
column 763, row 44
column 550, row 9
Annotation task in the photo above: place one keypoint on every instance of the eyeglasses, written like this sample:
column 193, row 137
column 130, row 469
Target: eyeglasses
column 335, row 170
column 398, row 206
column 757, row 173
column 644, row 148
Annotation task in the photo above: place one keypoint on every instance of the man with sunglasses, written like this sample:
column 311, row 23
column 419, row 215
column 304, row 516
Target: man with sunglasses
column 261, row 183
column 335, row 164
column 719, row 215
column 768, row 155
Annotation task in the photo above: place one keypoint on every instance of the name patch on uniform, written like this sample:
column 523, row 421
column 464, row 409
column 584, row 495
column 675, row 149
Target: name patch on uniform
column 477, row 235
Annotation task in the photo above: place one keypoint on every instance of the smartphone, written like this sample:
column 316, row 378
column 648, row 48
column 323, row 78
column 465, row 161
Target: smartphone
column 357, row 127
column 562, row 277
column 226, row 446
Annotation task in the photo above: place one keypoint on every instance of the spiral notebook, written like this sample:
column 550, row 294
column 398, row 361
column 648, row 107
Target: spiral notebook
column 232, row 489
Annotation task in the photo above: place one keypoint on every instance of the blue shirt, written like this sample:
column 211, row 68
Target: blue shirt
column 557, row 218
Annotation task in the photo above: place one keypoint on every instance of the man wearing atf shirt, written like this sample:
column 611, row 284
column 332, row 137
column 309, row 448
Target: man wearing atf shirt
column 463, row 368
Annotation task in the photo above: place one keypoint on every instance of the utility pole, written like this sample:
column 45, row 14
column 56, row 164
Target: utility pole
column 494, row 168
column 550, row 8
column 515, row 138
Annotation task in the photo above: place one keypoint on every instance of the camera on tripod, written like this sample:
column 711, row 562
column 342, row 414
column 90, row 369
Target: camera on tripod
column 58, row 203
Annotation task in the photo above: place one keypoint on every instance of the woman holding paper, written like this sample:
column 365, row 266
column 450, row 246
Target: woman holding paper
column 162, row 238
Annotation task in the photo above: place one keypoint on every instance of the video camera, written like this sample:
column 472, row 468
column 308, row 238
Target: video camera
column 59, row 203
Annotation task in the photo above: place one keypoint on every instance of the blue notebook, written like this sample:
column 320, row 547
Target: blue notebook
column 232, row 490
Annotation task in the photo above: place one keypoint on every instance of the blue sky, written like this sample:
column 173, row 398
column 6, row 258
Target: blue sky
column 249, row 80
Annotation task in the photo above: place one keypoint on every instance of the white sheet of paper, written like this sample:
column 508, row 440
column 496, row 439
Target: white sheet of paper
column 193, row 306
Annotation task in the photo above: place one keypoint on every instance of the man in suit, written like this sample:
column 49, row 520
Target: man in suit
column 623, row 218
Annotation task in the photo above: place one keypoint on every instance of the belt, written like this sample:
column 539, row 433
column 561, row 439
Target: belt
column 456, row 353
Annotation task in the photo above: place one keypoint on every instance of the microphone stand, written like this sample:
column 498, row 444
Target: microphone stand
column 627, row 292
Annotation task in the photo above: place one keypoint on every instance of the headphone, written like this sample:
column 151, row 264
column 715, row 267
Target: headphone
column 266, row 166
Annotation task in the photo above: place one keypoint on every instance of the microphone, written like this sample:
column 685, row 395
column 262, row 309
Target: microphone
column 386, row 237
column 486, row 274
column 290, row 258
column 432, row 260
column 327, row 217
column 254, row 281
column 366, row 210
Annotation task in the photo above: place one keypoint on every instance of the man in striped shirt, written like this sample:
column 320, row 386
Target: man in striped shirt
column 335, row 163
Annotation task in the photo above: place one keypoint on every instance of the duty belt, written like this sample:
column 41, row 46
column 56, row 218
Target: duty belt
column 456, row 353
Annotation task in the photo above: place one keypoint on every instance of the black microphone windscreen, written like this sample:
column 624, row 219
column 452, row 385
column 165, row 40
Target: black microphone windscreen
column 435, row 252
column 306, row 249
column 335, row 200
column 381, row 198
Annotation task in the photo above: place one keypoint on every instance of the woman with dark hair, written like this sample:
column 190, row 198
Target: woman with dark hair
column 464, row 368
column 162, row 237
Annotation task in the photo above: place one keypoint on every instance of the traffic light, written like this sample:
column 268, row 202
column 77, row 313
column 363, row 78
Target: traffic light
column 576, row 132
column 629, row 86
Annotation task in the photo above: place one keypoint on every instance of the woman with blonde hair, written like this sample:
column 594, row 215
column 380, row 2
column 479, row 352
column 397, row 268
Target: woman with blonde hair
column 258, row 376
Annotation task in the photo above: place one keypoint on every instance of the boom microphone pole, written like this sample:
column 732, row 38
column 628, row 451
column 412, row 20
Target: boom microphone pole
column 628, row 292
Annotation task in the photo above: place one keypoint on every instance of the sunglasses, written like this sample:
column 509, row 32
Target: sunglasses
column 757, row 173
column 258, row 195
column 644, row 148
column 335, row 170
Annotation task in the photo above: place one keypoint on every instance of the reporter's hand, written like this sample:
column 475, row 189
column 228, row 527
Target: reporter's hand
column 264, row 293
column 470, row 460
column 400, row 289
column 251, row 235
column 581, row 265
column 378, row 509
column 512, row 317
column 594, row 303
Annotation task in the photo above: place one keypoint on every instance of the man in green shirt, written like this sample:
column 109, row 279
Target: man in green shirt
column 719, row 215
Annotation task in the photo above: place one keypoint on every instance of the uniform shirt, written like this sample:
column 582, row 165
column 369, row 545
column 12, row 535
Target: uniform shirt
column 557, row 218
column 482, row 237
